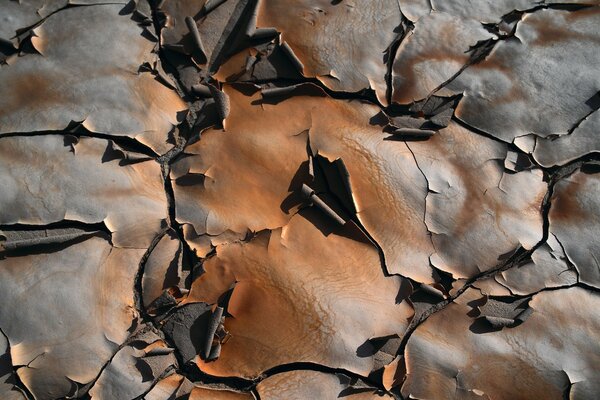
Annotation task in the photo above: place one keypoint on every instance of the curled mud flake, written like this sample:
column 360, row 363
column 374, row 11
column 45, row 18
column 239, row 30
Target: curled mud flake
column 187, row 329
column 199, row 47
column 412, row 133
column 221, row 101
column 24, row 240
column 215, row 324
column 313, row 199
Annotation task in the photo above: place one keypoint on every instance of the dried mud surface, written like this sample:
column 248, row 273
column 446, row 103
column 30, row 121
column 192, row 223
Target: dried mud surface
column 299, row 199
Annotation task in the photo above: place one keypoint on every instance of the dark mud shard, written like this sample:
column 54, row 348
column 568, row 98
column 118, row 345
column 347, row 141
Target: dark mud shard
column 299, row 199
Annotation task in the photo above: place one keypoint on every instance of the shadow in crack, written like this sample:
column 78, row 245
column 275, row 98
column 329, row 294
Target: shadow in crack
column 294, row 198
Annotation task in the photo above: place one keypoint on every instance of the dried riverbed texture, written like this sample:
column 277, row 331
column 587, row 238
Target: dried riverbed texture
column 299, row 199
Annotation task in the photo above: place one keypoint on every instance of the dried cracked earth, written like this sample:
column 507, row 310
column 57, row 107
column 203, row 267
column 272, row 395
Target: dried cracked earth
column 299, row 199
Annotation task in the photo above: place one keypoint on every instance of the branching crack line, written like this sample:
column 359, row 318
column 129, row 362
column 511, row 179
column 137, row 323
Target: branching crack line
column 480, row 52
column 130, row 339
column 553, row 176
column 79, row 132
column 510, row 146
column 483, row 49
column 428, row 191
column 149, row 323
column 188, row 370
column 516, row 259
column 580, row 121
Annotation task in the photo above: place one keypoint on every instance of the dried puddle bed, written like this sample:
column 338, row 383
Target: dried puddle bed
column 299, row 199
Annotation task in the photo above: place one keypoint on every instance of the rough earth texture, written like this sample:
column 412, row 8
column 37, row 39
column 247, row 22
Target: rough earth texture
column 299, row 199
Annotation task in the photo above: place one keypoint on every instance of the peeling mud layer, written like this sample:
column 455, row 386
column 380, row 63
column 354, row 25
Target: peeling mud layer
column 299, row 199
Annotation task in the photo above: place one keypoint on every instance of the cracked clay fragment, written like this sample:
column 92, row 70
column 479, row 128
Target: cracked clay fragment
column 415, row 9
column 176, row 386
column 15, row 15
column 201, row 393
column 548, row 268
column 475, row 211
column 575, row 221
column 559, row 150
column 197, row 40
column 301, row 296
column 542, row 80
column 133, row 370
column 265, row 62
column 65, row 312
column 306, row 384
column 77, row 77
column 165, row 388
column 162, row 269
column 50, row 178
column 553, row 354
column 336, row 41
column 430, row 54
